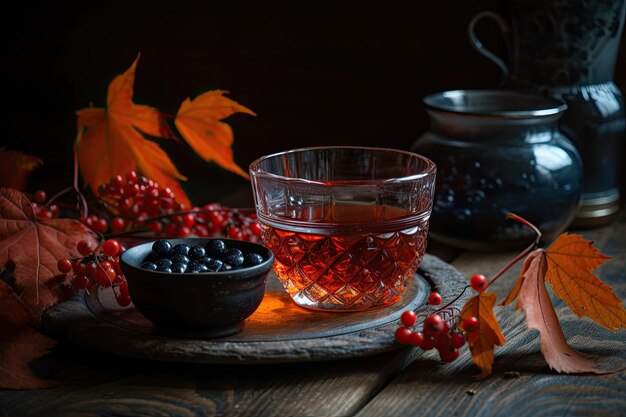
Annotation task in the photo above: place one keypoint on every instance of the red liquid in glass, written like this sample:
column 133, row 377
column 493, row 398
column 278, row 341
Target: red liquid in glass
column 352, row 257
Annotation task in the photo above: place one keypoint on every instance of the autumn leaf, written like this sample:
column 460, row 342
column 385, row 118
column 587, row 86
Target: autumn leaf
column 567, row 265
column 12, row 308
column 15, row 167
column 111, row 142
column 534, row 300
column 19, row 346
column 32, row 247
column 198, row 121
column 570, row 260
column 518, row 285
column 488, row 334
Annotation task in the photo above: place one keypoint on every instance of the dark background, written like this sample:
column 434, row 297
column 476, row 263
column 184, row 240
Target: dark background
column 315, row 73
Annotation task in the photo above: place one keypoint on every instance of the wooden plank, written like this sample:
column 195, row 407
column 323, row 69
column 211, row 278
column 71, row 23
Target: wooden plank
column 521, row 384
column 115, row 386
column 108, row 385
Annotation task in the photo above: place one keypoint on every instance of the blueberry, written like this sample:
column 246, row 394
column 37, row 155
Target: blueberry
column 163, row 264
column 214, row 265
column 167, row 270
column 197, row 252
column 149, row 265
column 216, row 248
column 161, row 248
column 180, row 259
column 178, row 268
column 234, row 257
column 205, row 259
column 181, row 248
column 194, row 266
column 204, row 268
column 234, row 251
column 226, row 267
column 252, row 259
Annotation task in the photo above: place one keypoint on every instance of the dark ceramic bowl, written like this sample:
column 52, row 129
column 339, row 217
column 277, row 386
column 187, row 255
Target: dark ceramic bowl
column 206, row 304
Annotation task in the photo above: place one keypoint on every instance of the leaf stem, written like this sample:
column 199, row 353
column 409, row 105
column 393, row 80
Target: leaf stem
column 526, row 251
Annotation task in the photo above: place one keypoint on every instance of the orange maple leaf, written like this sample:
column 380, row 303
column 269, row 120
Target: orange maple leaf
column 534, row 300
column 567, row 266
column 198, row 121
column 111, row 142
column 15, row 168
column 488, row 334
column 570, row 261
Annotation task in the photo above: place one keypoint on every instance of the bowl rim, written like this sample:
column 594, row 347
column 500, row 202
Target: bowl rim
column 241, row 274
column 542, row 107
column 256, row 171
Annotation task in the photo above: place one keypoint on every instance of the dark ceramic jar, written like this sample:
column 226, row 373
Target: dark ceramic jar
column 498, row 152
column 567, row 50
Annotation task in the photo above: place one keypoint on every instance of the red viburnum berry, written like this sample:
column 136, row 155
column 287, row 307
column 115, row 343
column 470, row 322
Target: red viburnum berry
column 408, row 318
column 416, row 338
column 457, row 340
column 434, row 324
column 434, row 299
column 478, row 282
column 470, row 324
column 403, row 335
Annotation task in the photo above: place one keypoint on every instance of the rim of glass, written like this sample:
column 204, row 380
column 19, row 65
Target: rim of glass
column 429, row 169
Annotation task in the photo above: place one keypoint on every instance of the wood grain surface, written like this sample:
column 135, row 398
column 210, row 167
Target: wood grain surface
column 103, row 384
column 108, row 386
column 387, row 384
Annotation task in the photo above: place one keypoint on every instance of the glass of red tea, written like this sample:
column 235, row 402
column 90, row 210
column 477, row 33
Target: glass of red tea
column 347, row 225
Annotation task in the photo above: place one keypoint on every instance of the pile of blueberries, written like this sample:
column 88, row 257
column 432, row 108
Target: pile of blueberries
column 182, row 258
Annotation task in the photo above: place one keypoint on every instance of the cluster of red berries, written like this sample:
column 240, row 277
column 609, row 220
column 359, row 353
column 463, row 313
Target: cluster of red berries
column 439, row 329
column 210, row 220
column 140, row 202
column 137, row 197
column 42, row 210
column 101, row 225
column 98, row 265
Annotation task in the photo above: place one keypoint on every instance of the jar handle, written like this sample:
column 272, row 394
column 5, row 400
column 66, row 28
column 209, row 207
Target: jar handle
column 478, row 45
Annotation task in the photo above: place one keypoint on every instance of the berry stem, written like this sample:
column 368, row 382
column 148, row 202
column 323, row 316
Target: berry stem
column 453, row 301
column 59, row 194
column 128, row 233
column 526, row 251
column 84, row 210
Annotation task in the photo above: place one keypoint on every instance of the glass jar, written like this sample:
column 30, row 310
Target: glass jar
column 498, row 152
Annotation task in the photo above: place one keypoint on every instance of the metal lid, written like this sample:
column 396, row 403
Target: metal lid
column 494, row 103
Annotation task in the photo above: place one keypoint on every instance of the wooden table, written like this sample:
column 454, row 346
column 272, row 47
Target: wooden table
column 387, row 384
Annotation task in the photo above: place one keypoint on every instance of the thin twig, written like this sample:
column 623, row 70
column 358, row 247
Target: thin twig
column 59, row 194
column 526, row 251
column 453, row 301
column 82, row 201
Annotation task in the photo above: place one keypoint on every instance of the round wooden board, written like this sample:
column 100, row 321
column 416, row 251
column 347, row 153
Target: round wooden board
column 279, row 331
